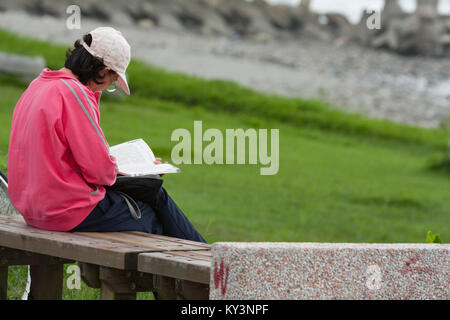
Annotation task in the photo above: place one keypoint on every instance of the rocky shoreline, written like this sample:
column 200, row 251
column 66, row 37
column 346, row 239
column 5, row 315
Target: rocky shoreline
column 354, row 78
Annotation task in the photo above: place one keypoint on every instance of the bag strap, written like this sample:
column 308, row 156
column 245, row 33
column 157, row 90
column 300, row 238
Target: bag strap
column 132, row 205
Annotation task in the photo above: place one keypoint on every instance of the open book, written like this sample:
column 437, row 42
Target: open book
column 135, row 158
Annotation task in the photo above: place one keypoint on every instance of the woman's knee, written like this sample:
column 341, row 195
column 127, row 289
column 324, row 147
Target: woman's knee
column 162, row 197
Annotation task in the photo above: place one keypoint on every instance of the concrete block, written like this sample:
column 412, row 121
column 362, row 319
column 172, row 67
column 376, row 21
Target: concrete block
column 342, row 271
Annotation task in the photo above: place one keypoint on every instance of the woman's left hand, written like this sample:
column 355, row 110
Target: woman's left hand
column 159, row 161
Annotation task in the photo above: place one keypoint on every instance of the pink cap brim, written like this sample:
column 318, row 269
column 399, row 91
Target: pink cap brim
column 122, row 80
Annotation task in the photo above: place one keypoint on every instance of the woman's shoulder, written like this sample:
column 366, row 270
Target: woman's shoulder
column 75, row 91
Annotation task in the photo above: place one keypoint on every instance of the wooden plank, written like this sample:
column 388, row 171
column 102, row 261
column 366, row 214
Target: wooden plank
column 164, row 288
column 14, row 218
column 46, row 282
column 136, row 240
column 119, row 284
column 192, row 255
column 90, row 273
column 139, row 242
column 68, row 245
column 14, row 226
column 110, row 256
column 126, row 281
column 108, row 293
column 171, row 239
column 206, row 253
column 14, row 257
column 3, row 283
column 115, row 285
column 178, row 267
column 188, row 290
column 117, row 250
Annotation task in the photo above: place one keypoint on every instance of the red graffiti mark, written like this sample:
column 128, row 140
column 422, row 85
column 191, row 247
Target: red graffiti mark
column 219, row 277
column 408, row 268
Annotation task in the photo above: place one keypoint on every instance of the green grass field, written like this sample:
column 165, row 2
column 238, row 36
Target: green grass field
column 342, row 178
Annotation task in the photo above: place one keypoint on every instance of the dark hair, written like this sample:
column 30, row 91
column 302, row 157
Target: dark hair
column 85, row 66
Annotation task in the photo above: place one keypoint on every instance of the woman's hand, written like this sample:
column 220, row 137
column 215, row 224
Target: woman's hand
column 159, row 161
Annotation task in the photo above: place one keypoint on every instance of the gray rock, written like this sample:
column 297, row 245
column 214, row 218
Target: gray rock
column 427, row 8
column 338, row 25
column 14, row 5
column 235, row 15
column 45, row 7
column 201, row 16
column 99, row 9
column 121, row 18
column 423, row 33
column 392, row 10
column 169, row 22
column 285, row 18
column 415, row 34
column 24, row 67
column 305, row 5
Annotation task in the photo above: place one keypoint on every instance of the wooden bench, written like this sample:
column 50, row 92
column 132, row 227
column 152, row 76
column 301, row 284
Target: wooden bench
column 119, row 263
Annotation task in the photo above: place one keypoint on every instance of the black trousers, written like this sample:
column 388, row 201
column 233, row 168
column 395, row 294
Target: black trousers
column 165, row 218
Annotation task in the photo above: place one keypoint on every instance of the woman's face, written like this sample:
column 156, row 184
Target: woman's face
column 109, row 77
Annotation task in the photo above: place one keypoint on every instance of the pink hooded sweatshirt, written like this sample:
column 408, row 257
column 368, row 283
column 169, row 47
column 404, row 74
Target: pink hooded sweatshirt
column 58, row 159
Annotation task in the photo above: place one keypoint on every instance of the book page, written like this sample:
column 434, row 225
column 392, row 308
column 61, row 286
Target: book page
column 136, row 158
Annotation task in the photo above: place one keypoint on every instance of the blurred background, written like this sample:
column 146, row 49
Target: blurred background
column 360, row 91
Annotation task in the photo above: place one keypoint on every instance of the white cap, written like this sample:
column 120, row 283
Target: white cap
column 109, row 44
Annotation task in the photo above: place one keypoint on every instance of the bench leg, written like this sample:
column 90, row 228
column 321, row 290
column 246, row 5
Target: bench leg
column 164, row 288
column 90, row 274
column 188, row 290
column 122, row 285
column 115, row 285
column 3, row 283
column 46, row 282
column 108, row 293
